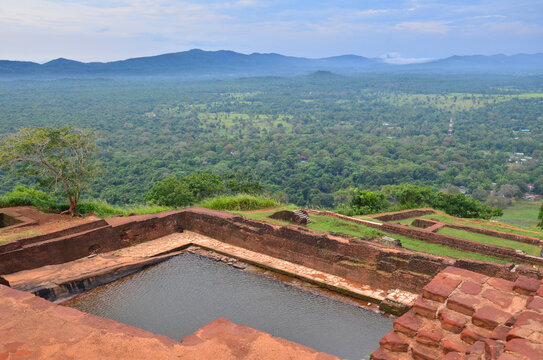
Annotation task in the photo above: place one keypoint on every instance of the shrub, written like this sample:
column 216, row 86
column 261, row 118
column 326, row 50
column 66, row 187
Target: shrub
column 241, row 202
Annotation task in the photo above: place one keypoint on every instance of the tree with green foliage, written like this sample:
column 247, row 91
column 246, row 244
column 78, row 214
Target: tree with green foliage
column 540, row 217
column 366, row 202
column 186, row 190
column 57, row 158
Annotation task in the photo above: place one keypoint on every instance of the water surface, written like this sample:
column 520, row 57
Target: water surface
column 181, row 295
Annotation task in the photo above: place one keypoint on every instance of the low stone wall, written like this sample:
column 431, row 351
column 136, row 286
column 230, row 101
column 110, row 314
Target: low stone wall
column 17, row 244
column 116, row 234
column 424, row 223
column 401, row 215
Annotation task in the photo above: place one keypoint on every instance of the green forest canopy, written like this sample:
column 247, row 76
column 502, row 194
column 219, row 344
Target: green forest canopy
column 307, row 137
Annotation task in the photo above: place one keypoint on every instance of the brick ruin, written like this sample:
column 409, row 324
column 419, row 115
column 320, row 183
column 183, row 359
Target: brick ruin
column 466, row 315
column 448, row 285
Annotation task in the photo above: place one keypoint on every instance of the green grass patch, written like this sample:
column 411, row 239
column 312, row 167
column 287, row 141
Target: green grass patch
column 484, row 224
column 468, row 235
column 329, row 224
column 522, row 213
column 240, row 202
column 263, row 215
column 7, row 238
column 103, row 209
column 436, row 249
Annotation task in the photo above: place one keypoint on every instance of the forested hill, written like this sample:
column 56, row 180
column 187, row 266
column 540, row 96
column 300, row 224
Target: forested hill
column 307, row 137
column 199, row 63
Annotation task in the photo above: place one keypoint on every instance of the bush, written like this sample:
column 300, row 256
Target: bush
column 25, row 196
column 241, row 202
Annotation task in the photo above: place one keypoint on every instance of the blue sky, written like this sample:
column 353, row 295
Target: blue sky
column 406, row 30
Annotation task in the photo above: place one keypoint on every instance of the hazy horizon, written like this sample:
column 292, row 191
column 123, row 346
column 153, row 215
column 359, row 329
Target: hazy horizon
column 402, row 30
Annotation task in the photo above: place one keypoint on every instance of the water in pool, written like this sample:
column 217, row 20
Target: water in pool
column 181, row 295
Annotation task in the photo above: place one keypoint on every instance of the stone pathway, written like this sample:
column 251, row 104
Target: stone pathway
column 54, row 275
column 34, row 328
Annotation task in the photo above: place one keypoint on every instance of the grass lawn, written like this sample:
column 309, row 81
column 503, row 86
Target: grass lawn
column 468, row 235
column 522, row 213
column 484, row 224
column 330, row 224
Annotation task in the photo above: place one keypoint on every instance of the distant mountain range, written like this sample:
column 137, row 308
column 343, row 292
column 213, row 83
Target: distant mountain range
column 223, row 63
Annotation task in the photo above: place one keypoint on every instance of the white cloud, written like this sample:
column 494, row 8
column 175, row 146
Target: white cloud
column 430, row 27
column 397, row 59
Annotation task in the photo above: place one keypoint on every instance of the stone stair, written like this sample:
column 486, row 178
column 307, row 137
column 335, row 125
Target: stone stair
column 302, row 214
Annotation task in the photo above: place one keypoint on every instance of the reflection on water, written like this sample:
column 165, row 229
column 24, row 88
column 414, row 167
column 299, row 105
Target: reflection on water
column 181, row 295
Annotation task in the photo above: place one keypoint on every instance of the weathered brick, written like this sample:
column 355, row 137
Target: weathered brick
column 381, row 354
column 462, row 303
column 501, row 284
column 465, row 274
column 518, row 333
column 499, row 298
column 440, row 288
column 507, row 356
column 452, row 321
column 394, row 342
column 450, row 346
column 530, row 318
column 453, row 355
column 525, row 348
column 493, row 348
column 421, row 352
column 425, row 308
column 489, row 317
column 430, row 337
column 526, row 285
column 471, row 288
column 500, row 332
column 469, row 336
column 536, row 304
column 477, row 348
column 407, row 324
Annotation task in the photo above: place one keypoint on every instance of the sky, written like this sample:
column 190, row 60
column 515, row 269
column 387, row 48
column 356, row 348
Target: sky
column 401, row 31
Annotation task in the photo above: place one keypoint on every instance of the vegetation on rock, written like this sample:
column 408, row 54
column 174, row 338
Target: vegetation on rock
column 58, row 158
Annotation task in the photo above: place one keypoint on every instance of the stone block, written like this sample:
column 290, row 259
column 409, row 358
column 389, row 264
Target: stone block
column 464, row 304
column 465, row 274
column 526, row 285
column 499, row 298
column 489, row 317
column 525, row 348
column 421, row 352
column 500, row 332
column 394, row 342
column 470, row 288
column 440, row 288
column 425, row 308
column 536, row 304
column 501, row 284
column 451, row 346
column 469, row 336
column 381, row 354
column 430, row 337
column 407, row 324
column 452, row 321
